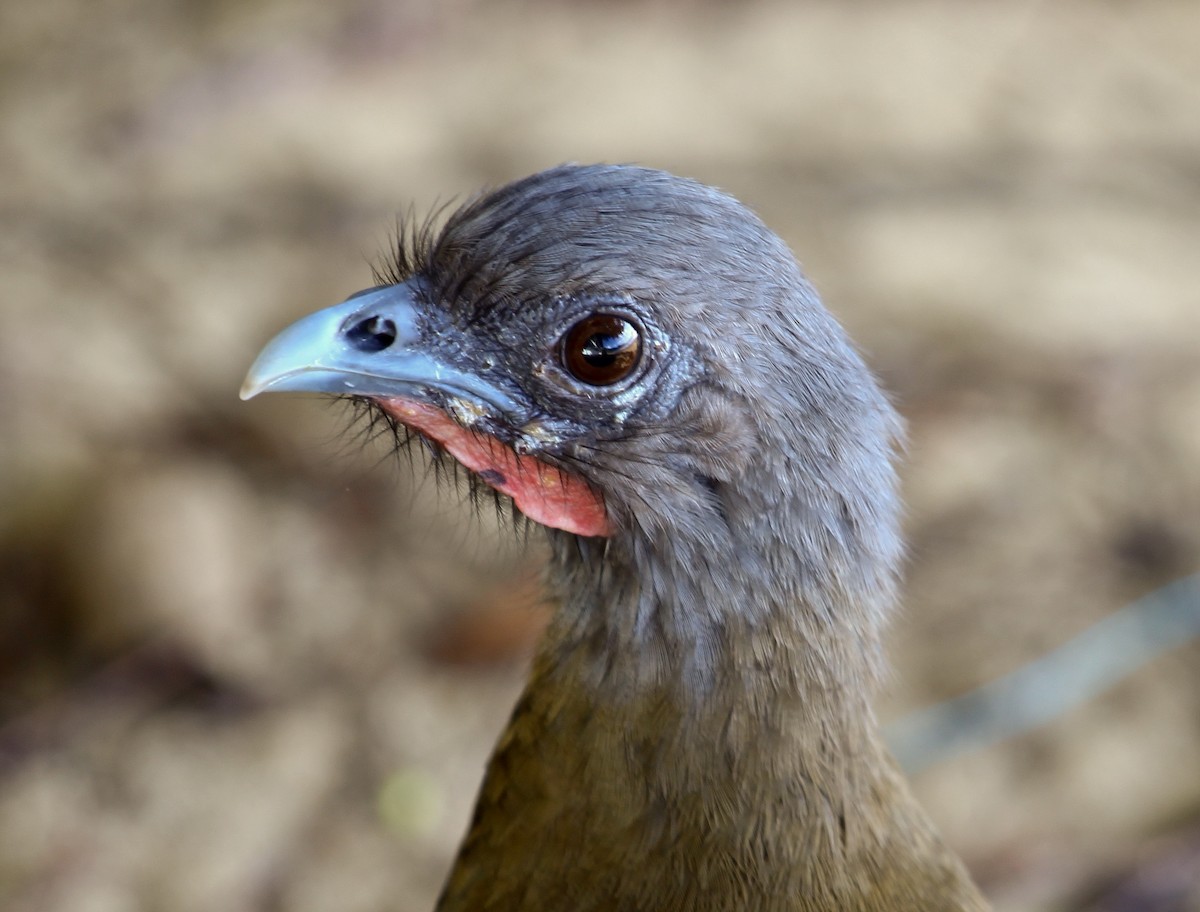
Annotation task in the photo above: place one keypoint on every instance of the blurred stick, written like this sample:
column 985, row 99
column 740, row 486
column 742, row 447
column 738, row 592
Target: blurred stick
column 1047, row 687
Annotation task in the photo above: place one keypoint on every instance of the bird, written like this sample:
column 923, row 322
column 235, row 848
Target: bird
column 641, row 367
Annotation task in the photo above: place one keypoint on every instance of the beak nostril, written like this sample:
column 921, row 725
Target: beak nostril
column 372, row 334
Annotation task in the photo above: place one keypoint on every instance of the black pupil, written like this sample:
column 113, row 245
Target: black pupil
column 602, row 349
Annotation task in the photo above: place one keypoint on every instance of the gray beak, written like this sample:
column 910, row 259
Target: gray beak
column 369, row 345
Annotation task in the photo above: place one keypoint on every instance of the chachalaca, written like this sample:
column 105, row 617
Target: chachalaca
column 640, row 365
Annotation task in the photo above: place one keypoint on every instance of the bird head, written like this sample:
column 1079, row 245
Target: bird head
column 630, row 356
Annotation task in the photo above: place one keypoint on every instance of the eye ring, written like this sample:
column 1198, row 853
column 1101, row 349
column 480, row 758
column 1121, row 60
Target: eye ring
column 601, row 349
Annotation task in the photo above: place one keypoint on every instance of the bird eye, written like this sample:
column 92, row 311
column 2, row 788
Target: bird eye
column 601, row 350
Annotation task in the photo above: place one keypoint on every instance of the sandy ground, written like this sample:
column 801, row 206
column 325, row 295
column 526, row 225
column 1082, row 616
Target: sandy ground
column 249, row 663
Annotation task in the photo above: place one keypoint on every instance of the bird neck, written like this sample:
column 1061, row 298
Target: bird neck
column 666, row 754
column 717, row 600
column 690, row 662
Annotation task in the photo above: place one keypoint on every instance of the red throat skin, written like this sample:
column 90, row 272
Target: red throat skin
column 542, row 492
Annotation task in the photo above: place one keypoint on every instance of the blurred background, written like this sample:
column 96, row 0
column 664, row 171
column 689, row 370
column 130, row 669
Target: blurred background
column 251, row 661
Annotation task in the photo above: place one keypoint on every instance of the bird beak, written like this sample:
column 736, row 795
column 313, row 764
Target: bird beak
column 374, row 344
column 369, row 345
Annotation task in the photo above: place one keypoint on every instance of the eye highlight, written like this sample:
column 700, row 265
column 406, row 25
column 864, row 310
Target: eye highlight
column 601, row 350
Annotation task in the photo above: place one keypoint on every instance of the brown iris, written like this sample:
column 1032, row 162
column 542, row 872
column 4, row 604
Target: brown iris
column 601, row 350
